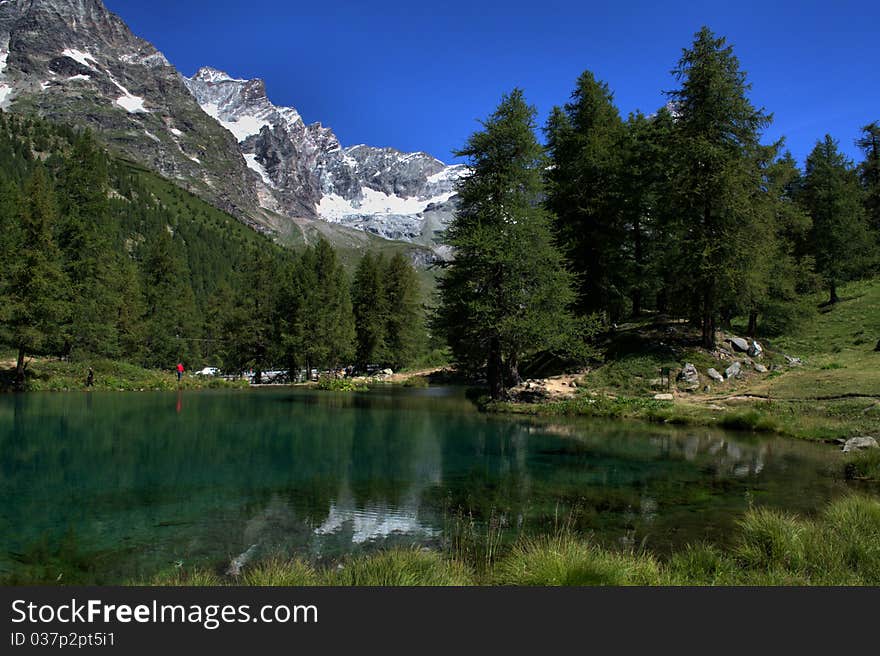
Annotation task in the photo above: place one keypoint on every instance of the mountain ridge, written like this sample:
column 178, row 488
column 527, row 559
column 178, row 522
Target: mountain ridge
column 215, row 135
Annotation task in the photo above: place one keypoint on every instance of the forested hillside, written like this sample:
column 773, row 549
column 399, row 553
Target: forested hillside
column 101, row 258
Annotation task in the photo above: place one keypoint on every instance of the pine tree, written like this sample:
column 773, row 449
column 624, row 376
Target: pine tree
column 584, row 139
column 643, row 185
column 716, row 181
column 35, row 290
column 170, row 324
column 789, row 267
column 869, row 142
column 405, row 327
column 318, row 322
column 506, row 294
column 370, row 306
column 91, row 261
column 251, row 326
column 840, row 239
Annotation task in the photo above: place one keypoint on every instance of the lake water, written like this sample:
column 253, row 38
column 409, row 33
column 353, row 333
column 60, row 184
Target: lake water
column 110, row 487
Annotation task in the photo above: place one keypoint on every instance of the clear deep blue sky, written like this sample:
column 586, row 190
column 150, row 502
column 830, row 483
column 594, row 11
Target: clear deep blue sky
column 417, row 75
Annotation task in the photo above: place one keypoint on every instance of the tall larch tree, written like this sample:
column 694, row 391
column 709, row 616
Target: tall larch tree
column 716, row 178
column 584, row 144
column 840, row 239
column 506, row 293
column 36, row 291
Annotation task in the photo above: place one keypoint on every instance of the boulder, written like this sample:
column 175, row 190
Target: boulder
column 387, row 372
column 689, row 373
column 739, row 344
column 760, row 368
column 733, row 371
column 714, row 375
column 793, row 362
column 755, row 349
column 664, row 397
column 689, row 376
column 859, row 444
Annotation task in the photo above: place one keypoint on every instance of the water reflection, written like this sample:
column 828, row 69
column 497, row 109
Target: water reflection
column 124, row 481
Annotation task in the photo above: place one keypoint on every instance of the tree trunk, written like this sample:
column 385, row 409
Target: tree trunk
column 834, row 298
column 637, row 303
column 493, row 371
column 19, row 370
column 639, row 256
column 707, row 321
column 753, row 324
column 511, row 376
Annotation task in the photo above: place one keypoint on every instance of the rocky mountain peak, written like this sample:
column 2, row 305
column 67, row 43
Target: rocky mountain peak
column 73, row 61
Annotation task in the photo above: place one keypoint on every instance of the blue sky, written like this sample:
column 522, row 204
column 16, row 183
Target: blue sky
column 417, row 76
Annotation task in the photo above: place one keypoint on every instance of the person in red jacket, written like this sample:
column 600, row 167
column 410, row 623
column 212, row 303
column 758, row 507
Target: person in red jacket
column 179, row 371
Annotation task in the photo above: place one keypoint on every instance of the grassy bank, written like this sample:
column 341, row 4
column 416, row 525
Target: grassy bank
column 804, row 419
column 839, row 547
column 834, row 392
column 58, row 376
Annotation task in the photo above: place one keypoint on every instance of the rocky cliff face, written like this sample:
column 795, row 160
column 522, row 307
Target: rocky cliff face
column 304, row 171
column 75, row 62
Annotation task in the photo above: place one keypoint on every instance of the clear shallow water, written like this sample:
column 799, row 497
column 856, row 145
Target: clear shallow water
column 108, row 487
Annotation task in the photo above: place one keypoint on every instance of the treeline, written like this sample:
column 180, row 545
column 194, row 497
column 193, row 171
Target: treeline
column 101, row 258
column 683, row 212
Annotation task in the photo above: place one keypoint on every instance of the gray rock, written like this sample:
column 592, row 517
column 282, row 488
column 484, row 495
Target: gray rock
column 794, row 362
column 739, row 344
column 689, row 376
column 859, row 444
column 714, row 375
column 760, row 368
column 756, row 350
column 733, row 371
column 664, row 397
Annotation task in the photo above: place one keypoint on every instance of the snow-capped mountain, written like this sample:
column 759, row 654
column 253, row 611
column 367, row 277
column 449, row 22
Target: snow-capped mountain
column 75, row 62
column 304, row 170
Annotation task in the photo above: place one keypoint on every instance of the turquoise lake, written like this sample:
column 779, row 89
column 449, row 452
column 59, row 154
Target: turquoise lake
column 114, row 487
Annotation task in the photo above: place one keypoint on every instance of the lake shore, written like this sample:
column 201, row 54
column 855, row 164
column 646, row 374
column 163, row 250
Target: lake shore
column 839, row 547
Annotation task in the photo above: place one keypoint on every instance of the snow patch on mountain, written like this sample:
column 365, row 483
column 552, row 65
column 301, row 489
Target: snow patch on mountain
column 251, row 160
column 372, row 202
column 80, row 57
column 241, row 126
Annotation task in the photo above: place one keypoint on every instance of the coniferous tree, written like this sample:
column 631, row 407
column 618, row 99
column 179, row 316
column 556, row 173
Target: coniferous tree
column 789, row 269
column 170, row 325
column 405, row 328
column 251, row 323
column 584, row 145
column 318, row 323
column 643, row 185
column 506, row 294
column 869, row 142
column 370, row 306
column 717, row 177
column 839, row 238
column 35, row 290
column 87, row 240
